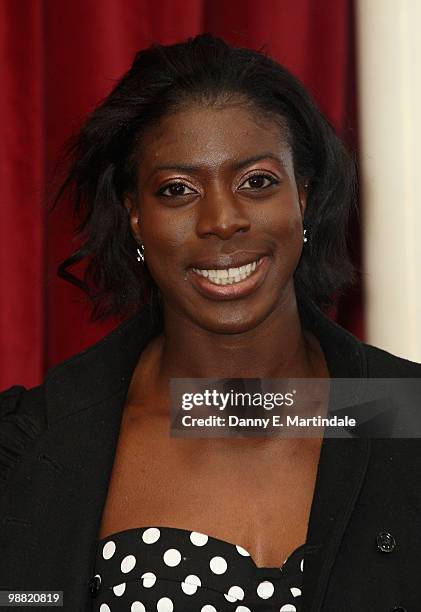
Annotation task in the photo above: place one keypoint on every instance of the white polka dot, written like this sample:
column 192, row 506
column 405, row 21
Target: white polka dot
column 302, row 565
column 149, row 579
column 242, row 551
column 198, row 539
column 193, row 579
column 208, row 608
column 165, row 605
column 151, row 535
column 288, row 608
column 218, row 565
column 104, row 608
column 295, row 592
column 119, row 589
column 188, row 589
column 137, row 606
column 128, row 564
column 108, row 550
column 242, row 609
column 235, row 593
column 172, row 557
column 190, row 584
column 265, row 589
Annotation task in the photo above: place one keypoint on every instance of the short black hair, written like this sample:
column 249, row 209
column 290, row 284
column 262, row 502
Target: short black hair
column 103, row 160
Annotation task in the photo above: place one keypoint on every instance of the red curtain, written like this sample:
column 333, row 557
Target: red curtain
column 58, row 59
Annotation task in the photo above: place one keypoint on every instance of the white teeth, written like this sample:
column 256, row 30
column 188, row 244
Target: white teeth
column 228, row 276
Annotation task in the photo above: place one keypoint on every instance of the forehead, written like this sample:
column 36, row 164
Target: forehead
column 213, row 136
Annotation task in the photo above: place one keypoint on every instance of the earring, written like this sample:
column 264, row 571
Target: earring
column 304, row 236
column 140, row 253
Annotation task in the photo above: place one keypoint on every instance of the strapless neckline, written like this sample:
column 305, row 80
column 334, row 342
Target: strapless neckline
column 171, row 569
column 203, row 537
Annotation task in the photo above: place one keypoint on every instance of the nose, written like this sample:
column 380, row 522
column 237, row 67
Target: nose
column 220, row 214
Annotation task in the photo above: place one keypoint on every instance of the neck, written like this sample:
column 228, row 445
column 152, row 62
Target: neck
column 277, row 348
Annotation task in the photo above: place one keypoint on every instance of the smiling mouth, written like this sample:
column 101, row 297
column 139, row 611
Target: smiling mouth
column 229, row 276
column 230, row 283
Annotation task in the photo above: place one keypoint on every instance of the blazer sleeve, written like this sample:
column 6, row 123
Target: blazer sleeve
column 22, row 419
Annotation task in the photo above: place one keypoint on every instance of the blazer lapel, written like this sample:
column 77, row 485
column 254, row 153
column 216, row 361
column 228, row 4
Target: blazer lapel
column 342, row 468
column 70, row 485
column 85, row 398
column 342, row 465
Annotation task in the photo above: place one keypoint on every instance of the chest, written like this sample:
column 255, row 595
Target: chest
column 256, row 493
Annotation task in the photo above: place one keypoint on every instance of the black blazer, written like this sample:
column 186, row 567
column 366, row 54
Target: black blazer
column 57, row 447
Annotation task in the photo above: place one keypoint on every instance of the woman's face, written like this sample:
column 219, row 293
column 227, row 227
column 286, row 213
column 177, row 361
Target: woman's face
column 216, row 192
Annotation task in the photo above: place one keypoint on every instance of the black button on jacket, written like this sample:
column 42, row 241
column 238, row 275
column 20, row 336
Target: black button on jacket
column 57, row 447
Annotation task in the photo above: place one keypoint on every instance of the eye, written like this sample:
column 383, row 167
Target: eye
column 175, row 189
column 259, row 181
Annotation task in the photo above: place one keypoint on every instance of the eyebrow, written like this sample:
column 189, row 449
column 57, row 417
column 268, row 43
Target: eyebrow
column 237, row 165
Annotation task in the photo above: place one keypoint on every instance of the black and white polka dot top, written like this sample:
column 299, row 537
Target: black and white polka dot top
column 167, row 569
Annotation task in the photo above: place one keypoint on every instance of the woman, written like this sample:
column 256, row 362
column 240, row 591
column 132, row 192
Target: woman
column 207, row 158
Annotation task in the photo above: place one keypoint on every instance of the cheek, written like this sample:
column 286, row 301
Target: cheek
column 165, row 239
column 287, row 229
column 284, row 218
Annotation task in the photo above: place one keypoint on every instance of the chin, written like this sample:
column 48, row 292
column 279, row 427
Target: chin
column 236, row 321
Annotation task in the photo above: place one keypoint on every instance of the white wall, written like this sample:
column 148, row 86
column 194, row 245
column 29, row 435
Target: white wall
column 389, row 74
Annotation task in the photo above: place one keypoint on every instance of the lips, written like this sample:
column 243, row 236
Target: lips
column 231, row 291
column 230, row 275
column 225, row 261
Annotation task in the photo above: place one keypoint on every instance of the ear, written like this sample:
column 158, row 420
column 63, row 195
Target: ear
column 134, row 216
